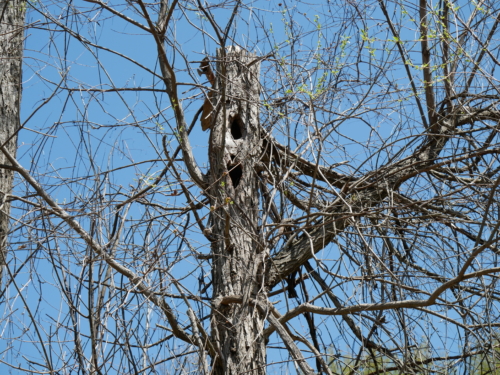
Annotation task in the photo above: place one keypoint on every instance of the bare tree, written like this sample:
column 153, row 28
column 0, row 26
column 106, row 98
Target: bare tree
column 340, row 216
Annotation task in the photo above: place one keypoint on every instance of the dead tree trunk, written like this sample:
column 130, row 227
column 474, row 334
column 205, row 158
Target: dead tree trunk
column 12, row 14
column 235, row 147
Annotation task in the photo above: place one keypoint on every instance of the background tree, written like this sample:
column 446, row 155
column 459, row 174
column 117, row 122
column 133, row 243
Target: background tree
column 344, row 221
column 12, row 15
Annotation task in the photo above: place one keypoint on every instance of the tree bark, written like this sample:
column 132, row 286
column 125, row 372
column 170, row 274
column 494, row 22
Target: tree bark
column 238, row 256
column 12, row 13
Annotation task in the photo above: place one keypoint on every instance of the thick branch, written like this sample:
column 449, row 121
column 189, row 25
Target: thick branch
column 285, row 158
column 362, row 307
column 369, row 191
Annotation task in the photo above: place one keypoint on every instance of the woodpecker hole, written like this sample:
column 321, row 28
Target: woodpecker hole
column 237, row 127
column 235, row 173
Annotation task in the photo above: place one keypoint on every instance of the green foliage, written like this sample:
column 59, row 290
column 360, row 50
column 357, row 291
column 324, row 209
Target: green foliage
column 479, row 363
column 489, row 363
column 366, row 364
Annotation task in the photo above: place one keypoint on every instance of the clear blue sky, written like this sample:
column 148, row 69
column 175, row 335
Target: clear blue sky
column 88, row 136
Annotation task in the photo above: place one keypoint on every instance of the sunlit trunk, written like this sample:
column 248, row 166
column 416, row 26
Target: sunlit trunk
column 234, row 150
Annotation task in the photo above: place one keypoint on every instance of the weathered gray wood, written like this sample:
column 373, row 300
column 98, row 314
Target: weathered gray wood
column 235, row 146
column 12, row 14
